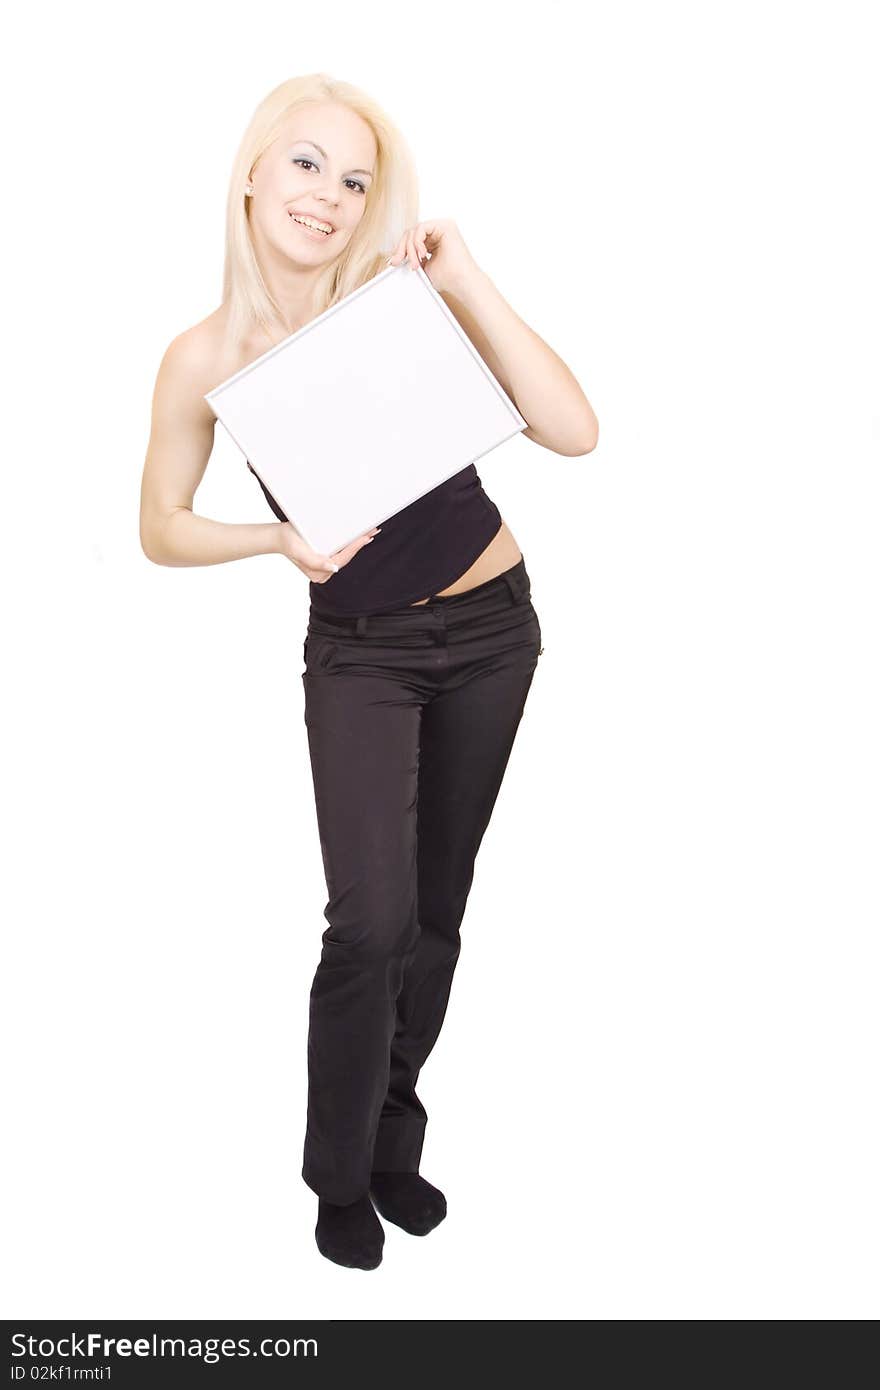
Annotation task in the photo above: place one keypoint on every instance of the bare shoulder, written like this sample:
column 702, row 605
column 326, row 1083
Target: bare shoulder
column 188, row 369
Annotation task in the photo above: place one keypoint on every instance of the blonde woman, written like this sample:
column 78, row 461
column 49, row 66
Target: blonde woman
column 421, row 642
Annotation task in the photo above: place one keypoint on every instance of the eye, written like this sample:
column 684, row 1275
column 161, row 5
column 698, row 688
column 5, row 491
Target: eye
column 303, row 159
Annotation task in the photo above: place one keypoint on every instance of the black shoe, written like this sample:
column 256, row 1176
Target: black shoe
column 351, row 1235
column 408, row 1201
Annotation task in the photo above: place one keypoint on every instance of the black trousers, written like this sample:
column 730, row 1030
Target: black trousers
column 411, row 717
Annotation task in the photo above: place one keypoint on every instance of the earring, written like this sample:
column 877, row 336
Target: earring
column 248, row 188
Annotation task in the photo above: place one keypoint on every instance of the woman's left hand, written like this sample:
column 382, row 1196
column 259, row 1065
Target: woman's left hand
column 450, row 260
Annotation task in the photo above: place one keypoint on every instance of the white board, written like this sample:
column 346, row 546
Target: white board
column 375, row 402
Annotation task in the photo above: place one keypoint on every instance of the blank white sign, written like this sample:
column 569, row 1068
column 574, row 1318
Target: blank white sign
column 375, row 402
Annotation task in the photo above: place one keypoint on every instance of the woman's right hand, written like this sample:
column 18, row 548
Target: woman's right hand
column 319, row 568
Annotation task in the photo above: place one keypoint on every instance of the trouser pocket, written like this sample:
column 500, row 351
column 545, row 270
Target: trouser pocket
column 318, row 652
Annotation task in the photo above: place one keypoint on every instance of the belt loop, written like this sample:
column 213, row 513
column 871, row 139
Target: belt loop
column 361, row 625
column 517, row 590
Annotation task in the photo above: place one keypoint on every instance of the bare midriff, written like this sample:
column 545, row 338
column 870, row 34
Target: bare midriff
column 501, row 554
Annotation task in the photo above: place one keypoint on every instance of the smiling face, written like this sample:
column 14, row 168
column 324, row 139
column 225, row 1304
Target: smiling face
column 320, row 167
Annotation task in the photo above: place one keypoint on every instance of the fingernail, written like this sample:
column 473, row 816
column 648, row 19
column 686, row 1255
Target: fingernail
column 335, row 568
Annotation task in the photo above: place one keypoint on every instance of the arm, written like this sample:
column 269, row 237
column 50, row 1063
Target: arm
column 544, row 390
column 181, row 440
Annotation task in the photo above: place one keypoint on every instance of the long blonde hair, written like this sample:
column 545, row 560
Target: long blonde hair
column 392, row 206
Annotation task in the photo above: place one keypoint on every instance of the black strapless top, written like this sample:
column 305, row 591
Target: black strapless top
column 419, row 551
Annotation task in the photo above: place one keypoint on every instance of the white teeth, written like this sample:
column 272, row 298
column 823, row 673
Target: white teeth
column 316, row 226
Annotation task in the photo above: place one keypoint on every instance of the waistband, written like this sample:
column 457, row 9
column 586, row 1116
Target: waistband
column 512, row 586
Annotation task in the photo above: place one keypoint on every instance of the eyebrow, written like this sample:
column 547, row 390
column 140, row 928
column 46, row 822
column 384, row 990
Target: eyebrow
column 368, row 172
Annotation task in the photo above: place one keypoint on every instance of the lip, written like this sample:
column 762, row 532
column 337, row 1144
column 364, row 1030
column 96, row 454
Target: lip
column 300, row 212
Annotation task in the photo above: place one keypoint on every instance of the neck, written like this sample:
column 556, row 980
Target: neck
column 292, row 286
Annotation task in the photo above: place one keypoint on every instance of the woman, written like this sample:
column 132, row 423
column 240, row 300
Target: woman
column 422, row 639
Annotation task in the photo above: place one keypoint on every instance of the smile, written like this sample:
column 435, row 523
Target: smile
column 310, row 225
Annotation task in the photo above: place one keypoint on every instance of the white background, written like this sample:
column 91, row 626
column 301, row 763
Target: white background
column 654, row 1096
